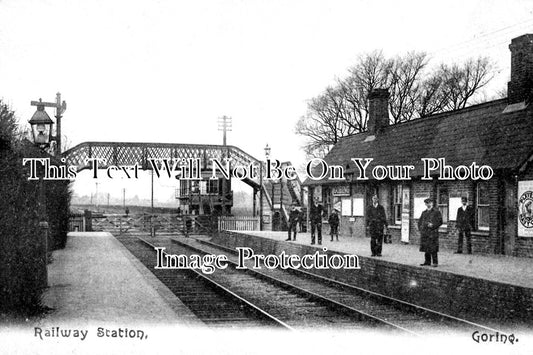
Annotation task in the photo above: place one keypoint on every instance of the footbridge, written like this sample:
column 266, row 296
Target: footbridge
column 202, row 195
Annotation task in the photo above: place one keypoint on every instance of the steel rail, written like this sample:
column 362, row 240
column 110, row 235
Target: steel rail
column 226, row 291
column 312, row 295
column 390, row 300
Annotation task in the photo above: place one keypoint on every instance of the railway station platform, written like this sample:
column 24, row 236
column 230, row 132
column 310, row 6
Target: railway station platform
column 95, row 280
column 477, row 287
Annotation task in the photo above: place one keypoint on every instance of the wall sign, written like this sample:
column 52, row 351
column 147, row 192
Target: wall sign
column 342, row 190
column 525, row 208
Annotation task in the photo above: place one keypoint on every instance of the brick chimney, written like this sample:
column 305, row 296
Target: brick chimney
column 378, row 110
column 520, row 88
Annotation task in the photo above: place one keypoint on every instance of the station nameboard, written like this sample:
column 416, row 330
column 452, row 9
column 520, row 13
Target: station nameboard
column 342, row 190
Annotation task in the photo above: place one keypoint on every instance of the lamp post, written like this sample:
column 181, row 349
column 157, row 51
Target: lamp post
column 267, row 155
column 267, row 151
column 40, row 118
column 41, row 128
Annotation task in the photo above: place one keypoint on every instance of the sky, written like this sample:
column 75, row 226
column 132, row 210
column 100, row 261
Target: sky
column 164, row 71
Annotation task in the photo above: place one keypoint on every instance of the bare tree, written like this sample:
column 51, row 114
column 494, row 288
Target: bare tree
column 343, row 109
column 462, row 82
column 405, row 85
column 371, row 71
column 324, row 122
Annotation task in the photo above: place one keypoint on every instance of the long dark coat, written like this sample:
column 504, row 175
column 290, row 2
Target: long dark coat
column 294, row 217
column 429, row 236
column 376, row 220
column 315, row 214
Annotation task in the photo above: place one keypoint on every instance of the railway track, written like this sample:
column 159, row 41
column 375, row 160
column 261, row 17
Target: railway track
column 212, row 303
column 289, row 308
column 391, row 312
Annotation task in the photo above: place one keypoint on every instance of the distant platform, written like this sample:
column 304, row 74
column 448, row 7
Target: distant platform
column 95, row 280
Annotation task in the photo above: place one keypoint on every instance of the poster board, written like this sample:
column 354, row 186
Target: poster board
column 419, row 205
column 346, row 207
column 358, row 206
column 454, row 204
column 317, row 193
column 525, row 208
column 406, row 194
column 405, row 228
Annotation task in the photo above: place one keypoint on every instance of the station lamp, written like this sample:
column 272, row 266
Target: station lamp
column 349, row 175
column 41, row 127
column 41, row 124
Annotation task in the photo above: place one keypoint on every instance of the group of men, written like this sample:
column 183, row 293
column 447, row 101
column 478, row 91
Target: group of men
column 428, row 224
column 316, row 213
column 431, row 220
column 376, row 225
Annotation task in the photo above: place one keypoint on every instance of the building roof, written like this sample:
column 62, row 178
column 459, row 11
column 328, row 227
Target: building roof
column 482, row 133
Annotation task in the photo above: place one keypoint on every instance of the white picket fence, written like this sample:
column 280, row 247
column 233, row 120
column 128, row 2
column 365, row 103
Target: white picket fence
column 238, row 223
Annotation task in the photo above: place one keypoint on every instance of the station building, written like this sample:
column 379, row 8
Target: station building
column 497, row 134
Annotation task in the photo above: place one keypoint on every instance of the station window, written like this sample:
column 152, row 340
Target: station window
column 397, row 204
column 212, row 186
column 184, row 189
column 482, row 206
column 195, row 186
column 442, row 203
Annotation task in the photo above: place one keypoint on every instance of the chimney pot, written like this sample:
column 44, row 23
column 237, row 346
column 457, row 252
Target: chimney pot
column 378, row 110
column 520, row 88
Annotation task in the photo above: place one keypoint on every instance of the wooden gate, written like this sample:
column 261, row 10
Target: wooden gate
column 146, row 224
column 238, row 223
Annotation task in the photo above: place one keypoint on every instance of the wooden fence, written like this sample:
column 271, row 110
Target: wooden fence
column 238, row 223
column 136, row 223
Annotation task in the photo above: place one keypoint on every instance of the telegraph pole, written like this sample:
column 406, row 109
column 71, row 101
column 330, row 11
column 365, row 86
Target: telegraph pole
column 152, row 230
column 224, row 125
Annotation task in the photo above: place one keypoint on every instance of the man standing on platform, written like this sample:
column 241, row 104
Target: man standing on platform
column 376, row 221
column 465, row 222
column 315, row 215
column 294, row 216
column 334, row 224
column 428, row 225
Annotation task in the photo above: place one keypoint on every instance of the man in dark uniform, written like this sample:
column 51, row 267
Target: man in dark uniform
column 376, row 221
column 315, row 215
column 428, row 225
column 465, row 222
column 334, row 224
column 294, row 216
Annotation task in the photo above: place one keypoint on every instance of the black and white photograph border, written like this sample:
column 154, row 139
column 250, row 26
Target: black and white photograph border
column 250, row 176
